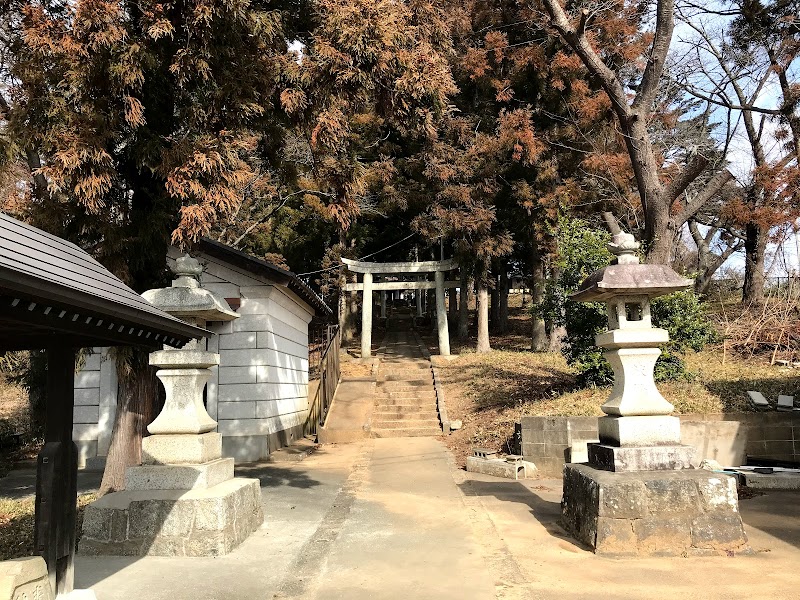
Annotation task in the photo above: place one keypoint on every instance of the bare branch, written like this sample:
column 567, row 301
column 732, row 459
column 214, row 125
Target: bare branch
column 665, row 23
column 715, row 184
column 688, row 174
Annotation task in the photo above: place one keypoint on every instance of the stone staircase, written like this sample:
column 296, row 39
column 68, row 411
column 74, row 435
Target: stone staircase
column 405, row 399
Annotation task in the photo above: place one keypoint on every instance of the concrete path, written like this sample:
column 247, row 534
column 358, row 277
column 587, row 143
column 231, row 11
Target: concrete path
column 394, row 519
column 378, row 519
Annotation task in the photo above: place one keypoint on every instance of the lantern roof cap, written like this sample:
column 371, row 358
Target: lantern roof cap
column 630, row 280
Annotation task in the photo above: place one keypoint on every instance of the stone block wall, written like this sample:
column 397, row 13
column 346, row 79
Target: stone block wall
column 546, row 441
column 727, row 438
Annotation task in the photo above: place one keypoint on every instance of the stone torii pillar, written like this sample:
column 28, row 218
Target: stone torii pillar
column 366, row 317
column 441, row 316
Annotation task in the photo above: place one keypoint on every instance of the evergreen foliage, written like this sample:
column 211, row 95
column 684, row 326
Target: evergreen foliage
column 582, row 251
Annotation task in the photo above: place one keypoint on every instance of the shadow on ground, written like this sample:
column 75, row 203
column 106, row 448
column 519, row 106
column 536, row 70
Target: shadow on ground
column 731, row 391
column 776, row 513
column 495, row 387
column 272, row 475
column 546, row 512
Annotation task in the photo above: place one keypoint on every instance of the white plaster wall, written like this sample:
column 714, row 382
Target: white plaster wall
column 263, row 375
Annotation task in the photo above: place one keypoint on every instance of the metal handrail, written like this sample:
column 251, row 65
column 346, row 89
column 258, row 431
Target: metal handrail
column 328, row 373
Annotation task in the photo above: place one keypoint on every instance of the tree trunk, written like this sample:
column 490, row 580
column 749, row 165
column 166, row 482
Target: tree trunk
column 137, row 406
column 452, row 305
column 351, row 314
column 463, row 307
column 483, row 319
column 657, row 238
column 494, row 314
column 539, row 341
column 502, row 321
column 755, row 248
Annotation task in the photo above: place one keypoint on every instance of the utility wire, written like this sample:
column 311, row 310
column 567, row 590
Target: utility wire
column 362, row 258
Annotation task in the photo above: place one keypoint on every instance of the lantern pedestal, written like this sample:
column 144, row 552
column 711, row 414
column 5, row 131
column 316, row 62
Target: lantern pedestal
column 686, row 512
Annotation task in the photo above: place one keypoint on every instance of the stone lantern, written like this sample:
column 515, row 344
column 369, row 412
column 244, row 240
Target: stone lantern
column 183, row 500
column 639, row 494
column 637, row 413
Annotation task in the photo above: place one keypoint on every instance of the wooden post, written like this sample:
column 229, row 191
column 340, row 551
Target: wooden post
column 57, row 474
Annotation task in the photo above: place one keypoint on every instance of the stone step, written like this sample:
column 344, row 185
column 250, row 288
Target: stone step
column 405, row 424
column 404, row 402
column 392, row 386
column 424, row 376
column 422, row 394
column 404, row 365
column 407, row 414
column 421, row 432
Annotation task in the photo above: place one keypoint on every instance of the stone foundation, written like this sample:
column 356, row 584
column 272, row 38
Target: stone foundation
column 640, row 458
column 198, row 522
column 656, row 513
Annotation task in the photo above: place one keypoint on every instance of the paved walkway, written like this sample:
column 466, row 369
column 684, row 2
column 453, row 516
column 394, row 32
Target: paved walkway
column 394, row 519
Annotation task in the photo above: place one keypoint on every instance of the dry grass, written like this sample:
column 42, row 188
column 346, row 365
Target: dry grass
column 15, row 418
column 16, row 525
column 14, row 405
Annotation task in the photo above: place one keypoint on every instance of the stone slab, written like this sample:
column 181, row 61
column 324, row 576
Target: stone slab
column 661, row 513
column 639, row 431
column 499, row 467
column 199, row 522
column 771, row 481
column 181, row 449
column 24, row 578
column 640, row 458
column 179, row 477
column 758, row 399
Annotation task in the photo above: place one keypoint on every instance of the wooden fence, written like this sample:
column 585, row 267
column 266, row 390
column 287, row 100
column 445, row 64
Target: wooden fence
column 324, row 375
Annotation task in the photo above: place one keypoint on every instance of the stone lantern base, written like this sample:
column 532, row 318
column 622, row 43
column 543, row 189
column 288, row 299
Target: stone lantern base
column 658, row 513
column 182, row 501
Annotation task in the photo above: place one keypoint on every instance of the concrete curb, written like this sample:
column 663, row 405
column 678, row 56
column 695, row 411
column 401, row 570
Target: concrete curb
column 437, row 386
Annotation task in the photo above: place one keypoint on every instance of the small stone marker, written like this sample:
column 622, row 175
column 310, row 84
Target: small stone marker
column 484, row 453
column 785, row 402
column 512, row 466
column 758, row 400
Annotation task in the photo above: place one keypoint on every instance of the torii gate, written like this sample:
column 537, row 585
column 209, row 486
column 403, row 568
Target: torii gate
column 369, row 269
